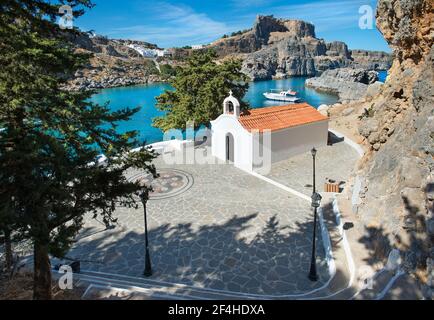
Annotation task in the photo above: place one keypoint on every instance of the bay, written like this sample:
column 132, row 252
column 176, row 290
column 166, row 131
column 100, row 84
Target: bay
column 144, row 96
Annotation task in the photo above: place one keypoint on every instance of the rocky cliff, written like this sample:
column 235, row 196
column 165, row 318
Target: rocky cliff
column 349, row 84
column 113, row 63
column 371, row 60
column 278, row 48
column 397, row 127
column 111, row 47
column 273, row 48
column 266, row 28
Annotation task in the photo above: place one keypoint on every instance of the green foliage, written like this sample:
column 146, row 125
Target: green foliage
column 150, row 67
column 367, row 113
column 167, row 71
column 233, row 34
column 51, row 137
column 200, row 88
column 237, row 33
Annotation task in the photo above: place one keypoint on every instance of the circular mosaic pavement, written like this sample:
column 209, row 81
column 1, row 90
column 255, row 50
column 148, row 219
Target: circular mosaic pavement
column 170, row 183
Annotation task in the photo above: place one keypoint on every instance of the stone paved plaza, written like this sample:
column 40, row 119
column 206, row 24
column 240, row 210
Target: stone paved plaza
column 333, row 162
column 213, row 226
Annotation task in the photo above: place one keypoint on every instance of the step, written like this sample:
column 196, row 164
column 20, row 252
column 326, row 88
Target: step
column 106, row 292
column 159, row 287
column 178, row 290
column 97, row 283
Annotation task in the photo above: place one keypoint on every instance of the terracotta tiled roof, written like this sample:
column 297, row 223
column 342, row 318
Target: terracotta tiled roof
column 280, row 117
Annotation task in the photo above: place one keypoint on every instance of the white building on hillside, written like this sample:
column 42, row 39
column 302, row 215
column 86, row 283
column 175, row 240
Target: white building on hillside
column 148, row 53
column 257, row 138
column 197, row 46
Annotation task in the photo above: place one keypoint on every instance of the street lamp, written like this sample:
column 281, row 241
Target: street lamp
column 314, row 151
column 148, row 269
column 316, row 203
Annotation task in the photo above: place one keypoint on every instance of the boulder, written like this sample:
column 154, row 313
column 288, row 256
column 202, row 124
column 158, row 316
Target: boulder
column 369, row 127
column 347, row 112
column 374, row 89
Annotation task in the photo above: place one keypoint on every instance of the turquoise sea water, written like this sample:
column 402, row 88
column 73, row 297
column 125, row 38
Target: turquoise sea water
column 382, row 75
column 136, row 96
column 144, row 97
column 256, row 99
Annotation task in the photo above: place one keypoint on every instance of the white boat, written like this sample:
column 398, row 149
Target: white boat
column 279, row 95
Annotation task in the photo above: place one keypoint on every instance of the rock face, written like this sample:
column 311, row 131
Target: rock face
column 273, row 48
column 349, row 84
column 108, row 72
column 113, row 63
column 265, row 27
column 277, row 48
column 371, row 60
column 290, row 57
column 111, row 47
column 398, row 172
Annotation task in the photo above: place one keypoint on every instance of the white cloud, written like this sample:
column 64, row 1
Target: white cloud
column 326, row 15
column 174, row 25
column 169, row 25
column 241, row 4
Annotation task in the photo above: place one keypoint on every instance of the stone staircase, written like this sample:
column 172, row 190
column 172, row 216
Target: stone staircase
column 153, row 289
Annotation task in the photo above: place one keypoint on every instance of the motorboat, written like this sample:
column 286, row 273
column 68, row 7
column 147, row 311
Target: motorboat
column 279, row 95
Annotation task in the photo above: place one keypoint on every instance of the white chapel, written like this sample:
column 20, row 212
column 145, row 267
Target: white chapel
column 249, row 138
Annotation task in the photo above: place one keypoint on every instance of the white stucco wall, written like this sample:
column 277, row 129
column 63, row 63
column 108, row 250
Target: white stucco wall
column 296, row 140
column 223, row 125
column 284, row 143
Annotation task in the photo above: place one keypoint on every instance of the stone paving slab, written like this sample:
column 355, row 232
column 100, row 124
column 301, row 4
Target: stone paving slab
column 228, row 231
column 334, row 162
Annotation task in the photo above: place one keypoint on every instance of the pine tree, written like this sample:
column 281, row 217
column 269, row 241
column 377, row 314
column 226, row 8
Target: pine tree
column 51, row 137
column 200, row 88
column 6, row 228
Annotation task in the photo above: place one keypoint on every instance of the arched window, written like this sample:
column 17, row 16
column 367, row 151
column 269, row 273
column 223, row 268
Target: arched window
column 230, row 107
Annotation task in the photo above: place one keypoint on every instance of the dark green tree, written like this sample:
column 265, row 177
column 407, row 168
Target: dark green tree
column 200, row 88
column 168, row 71
column 50, row 140
column 6, row 228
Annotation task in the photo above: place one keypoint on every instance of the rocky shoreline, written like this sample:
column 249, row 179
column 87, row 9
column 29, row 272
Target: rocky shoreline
column 272, row 49
column 347, row 83
column 112, row 81
column 113, row 63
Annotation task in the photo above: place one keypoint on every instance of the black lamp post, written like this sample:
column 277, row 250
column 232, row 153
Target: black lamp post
column 148, row 269
column 314, row 151
column 316, row 203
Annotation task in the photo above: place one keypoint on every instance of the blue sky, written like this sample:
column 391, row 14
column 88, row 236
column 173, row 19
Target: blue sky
column 171, row 23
